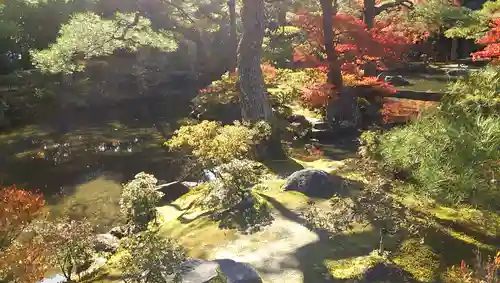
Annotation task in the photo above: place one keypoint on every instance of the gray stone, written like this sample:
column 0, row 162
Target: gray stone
column 106, row 243
column 119, row 232
column 172, row 191
column 314, row 183
column 396, row 80
column 202, row 271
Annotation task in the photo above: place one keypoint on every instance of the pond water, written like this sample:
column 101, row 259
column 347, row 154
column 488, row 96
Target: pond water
column 80, row 158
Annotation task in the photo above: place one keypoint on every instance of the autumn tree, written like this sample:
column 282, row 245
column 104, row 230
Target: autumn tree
column 21, row 260
column 492, row 41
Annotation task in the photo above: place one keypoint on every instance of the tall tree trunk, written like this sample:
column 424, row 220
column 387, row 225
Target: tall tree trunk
column 233, row 34
column 454, row 49
column 369, row 13
column 255, row 105
column 334, row 74
column 344, row 110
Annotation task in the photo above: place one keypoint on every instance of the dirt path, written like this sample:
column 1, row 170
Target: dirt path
column 273, row 251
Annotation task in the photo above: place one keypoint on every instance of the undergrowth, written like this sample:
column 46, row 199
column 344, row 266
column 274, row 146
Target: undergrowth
column 451, row 152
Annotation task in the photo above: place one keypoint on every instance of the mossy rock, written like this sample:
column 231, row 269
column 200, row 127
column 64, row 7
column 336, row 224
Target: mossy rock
column 419, row 260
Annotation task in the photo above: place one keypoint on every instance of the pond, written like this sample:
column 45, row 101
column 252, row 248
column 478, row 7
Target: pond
column 80, row 158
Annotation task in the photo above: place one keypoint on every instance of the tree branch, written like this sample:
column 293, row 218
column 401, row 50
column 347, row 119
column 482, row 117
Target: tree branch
column 385, row 6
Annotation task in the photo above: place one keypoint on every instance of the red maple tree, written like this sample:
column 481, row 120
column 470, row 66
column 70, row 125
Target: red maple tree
column 492, row 41
column 355, row 44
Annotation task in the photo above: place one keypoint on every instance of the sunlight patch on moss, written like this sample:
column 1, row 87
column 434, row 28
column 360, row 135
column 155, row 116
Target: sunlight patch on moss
column 419, row 260
column 352, row 267
column 199, row 237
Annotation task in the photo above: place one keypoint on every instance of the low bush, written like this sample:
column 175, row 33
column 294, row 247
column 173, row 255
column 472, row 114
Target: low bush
column 139, row 200
column 148, row 257
column 212, row 144
column 232, row 183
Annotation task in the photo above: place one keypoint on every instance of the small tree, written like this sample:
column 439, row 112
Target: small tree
column 20, row 261
column 139, row 199
column 18, row 208
column 70, row 244
column 208, row 144
column 374, row 205
column 232, row 184
column 147, row 257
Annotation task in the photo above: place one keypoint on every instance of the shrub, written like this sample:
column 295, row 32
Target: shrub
column 70, row 244
column 212, row 144
column 139, row 199
column 479, row 93
column 232, row 184
column 148, row 257
column 452, row 152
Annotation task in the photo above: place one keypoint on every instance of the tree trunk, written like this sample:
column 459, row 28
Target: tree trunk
column 369, row 13
column 381, row 243
column 454, row 49
column 233, row 34
column 255, row 105
column 344, row 110
column 334, row 74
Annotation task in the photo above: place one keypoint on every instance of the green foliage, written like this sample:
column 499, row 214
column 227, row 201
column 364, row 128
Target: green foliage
column 87, row 35
column 437, row 15
column 233, row 181
column 278, row 45
column 212, row 144
column 479, row 93
column 139, row 199
column 452, row 152
column 69, row 243
column 475, row 23
column 369, row 142
column 148, row 257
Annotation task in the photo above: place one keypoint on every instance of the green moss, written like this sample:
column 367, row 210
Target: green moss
column 353, row 267
column 419, row 260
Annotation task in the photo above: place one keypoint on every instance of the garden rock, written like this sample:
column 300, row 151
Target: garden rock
column 119, row 232
column 314, row 183
column 396, row 80
column 106, row 243
column 173, row 191
column 201, row 271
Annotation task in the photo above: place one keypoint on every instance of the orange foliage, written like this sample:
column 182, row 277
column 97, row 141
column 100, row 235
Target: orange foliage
column 22, row 260
column 403, row 110
column 26, row 262
column 317, row 94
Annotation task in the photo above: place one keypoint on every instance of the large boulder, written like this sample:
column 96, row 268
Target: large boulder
column 106, row 243
column 202, row 271
column 313, row 183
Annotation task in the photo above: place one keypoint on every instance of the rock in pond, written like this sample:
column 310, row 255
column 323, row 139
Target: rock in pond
column 106, row 243
column 396, row 80
column 313, row 183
